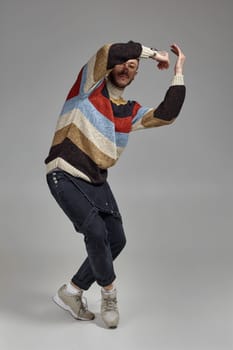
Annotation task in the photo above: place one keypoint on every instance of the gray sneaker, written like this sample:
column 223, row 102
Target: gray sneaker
column 109, row 310
column 74, row 304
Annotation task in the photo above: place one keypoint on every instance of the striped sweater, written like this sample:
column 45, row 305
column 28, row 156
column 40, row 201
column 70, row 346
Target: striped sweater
column 93, row 127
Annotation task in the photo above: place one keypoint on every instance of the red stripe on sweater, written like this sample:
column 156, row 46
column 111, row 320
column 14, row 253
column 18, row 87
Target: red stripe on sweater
column 123, row 124
column 101, row 103
column 74, row 91
column 137, row 106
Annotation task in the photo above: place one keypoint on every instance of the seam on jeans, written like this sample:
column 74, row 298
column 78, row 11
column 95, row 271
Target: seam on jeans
column 85, row 195
column 115, row 213
column 111, row 212
column 93, row 212
column 57, row 194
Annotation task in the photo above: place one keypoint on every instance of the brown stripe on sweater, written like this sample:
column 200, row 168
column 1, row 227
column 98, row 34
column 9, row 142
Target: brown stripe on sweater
column 101, row 62
column 149, row 121
column 84, row 144
column 78, row 159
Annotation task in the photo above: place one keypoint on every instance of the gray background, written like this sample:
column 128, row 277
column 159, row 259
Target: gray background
column 173, row 184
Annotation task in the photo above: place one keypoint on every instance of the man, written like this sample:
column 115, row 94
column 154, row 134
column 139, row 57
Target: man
column 91, row 133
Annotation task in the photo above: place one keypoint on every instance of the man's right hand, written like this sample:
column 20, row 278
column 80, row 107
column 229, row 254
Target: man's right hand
column 162, row 57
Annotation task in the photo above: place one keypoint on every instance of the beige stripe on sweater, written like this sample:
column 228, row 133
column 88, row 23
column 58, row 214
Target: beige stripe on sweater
column 84, row 144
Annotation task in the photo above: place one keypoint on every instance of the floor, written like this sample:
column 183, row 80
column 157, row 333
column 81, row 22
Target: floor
column 175, row 285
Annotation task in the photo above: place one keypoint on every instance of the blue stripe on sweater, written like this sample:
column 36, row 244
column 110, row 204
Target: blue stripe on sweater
column 105, row 126
column 69, row 105
column 121, row 139
column 141, row 112
column 84, row 78
column 100, row 122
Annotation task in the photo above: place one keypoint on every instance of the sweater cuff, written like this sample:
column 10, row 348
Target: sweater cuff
column 178, row 79
column 147, row 52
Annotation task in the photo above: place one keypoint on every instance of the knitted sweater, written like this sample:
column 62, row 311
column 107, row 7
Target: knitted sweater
column 93, row 127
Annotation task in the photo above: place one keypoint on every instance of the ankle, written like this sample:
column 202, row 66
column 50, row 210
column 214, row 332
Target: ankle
column 72, row 289
column 108, row 289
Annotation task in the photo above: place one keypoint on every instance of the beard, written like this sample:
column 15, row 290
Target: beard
column 113, row 79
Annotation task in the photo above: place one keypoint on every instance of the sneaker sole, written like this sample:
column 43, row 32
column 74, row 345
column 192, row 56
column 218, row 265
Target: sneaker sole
column 114, row 326
column 65, row 307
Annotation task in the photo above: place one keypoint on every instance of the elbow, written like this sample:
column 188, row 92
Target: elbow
column 170, row 108
column 167, row 116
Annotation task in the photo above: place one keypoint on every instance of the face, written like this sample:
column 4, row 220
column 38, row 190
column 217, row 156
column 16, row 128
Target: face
column 123, row 74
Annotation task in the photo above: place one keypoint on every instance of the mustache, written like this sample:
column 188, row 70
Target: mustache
column 124, row 72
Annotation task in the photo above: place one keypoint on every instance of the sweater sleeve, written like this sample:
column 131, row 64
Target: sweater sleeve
column 104, row 61
column 166, row 112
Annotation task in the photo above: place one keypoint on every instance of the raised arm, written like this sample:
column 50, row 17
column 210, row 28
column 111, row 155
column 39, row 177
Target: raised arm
column 170, row 107
column 104, row 60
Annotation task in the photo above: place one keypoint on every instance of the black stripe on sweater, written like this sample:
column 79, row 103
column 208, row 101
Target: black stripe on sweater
column 120, row 53
column 78, row 159
column 172, row 103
